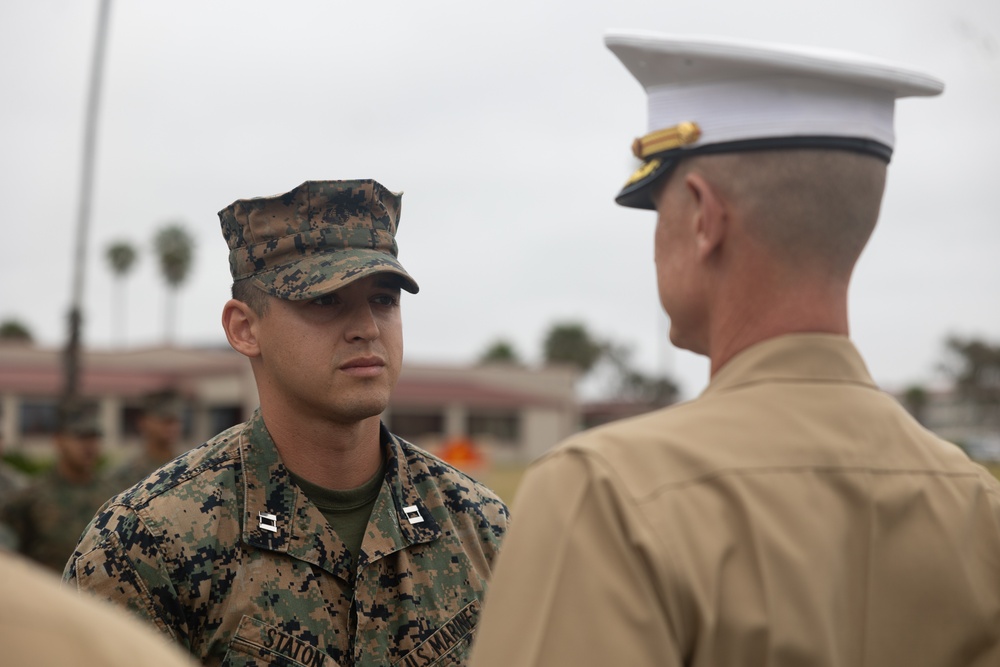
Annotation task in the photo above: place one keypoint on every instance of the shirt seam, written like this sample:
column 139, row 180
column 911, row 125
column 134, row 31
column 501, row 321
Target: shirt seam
column 745, row 472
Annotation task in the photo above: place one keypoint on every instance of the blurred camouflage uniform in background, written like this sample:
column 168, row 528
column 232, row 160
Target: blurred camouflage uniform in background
column 159, row 426
column 11, row 481
column 47, row 517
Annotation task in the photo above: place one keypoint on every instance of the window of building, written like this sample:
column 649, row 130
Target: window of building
column 130, row 415
column 39, row 416
column 415, row 424
column 503, row 426
column 130, row 420
column 221, row 417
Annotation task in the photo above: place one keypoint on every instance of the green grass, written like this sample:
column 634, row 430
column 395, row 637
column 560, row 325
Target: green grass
column 504, row 480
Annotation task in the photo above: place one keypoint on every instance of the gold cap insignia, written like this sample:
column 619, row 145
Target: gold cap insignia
column 679, row 135
column 643, row 171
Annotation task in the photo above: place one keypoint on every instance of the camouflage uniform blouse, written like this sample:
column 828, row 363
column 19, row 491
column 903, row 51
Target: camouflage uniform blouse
column 222, row 552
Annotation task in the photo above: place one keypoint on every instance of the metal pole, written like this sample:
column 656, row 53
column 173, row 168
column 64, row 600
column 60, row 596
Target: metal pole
column 72, row 355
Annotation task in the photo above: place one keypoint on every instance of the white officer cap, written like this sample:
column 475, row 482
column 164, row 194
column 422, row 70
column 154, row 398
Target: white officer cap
column 709, row 95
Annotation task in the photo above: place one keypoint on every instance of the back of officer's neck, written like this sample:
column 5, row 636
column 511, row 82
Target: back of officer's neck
column 769, row 311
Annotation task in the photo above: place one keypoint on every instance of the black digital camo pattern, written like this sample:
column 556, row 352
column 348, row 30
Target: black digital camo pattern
column 189, row 550
column 315, row 239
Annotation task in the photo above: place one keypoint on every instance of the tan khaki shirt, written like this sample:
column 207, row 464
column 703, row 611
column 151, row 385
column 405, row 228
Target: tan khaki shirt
column 791, row 515
column 44, row 623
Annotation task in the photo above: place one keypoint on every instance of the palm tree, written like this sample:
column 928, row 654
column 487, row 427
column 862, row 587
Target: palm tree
column 500, row 352
column 175, row 249
column 974, row 367
column 121, row 256
column 15, row 331
column 571, row 343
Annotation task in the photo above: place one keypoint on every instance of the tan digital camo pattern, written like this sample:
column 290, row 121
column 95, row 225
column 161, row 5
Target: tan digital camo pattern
column 315, row 239
column 190, row 550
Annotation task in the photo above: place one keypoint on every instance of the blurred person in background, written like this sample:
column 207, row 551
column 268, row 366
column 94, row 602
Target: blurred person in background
column 159, row 426
column 11, row 481
column 47, row 517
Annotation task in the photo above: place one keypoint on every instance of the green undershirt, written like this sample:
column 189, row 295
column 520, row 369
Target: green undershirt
column 346, row 511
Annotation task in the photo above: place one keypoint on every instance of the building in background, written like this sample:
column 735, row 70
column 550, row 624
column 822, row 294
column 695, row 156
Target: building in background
column 959, row 417
column 216, row 384
column 511, row 413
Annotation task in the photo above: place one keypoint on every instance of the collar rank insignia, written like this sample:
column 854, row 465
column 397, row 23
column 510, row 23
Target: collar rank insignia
column 413, row 514
column 268, row 522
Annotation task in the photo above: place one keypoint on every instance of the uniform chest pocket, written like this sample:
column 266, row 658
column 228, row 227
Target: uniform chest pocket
column 448, row 645
column 257, row 644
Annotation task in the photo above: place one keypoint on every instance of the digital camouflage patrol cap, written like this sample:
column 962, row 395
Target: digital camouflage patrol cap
column 79, row 422
column 711, row 95
column 315, row 239
column 163, row 404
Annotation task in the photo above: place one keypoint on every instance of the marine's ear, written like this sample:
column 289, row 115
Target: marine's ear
column 239, row 321
column 711, row 214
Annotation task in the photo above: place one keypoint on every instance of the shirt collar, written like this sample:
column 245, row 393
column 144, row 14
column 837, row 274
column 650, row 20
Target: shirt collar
column 400, row 517
column 279, row 517
column 792, row 358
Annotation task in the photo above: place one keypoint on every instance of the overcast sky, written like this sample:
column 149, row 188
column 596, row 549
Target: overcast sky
column 508, row 127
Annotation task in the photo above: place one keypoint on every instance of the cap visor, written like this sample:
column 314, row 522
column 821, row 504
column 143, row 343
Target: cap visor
column 639, row 193
column 321, row 274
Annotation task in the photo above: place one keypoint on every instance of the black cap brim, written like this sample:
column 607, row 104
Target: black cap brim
column 640, row 188
column 638, row 191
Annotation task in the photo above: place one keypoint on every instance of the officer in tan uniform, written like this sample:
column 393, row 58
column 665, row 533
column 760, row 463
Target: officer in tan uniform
column 793, row 514
column 309, row 535
column 44, row 623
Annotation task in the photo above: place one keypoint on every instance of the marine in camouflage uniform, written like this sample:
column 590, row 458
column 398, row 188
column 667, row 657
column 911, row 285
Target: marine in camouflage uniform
column 11, row 481
column 229, row 550
column 134, row 469
column 159, row 426
column 44, row 520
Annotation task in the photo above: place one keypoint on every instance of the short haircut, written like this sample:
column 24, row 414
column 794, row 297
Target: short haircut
column 812, row 207
column 253, row 296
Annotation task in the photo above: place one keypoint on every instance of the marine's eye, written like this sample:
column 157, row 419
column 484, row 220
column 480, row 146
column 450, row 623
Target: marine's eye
column 325, row 300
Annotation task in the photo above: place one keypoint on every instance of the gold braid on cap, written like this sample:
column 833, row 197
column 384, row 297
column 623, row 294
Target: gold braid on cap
column 679, row 135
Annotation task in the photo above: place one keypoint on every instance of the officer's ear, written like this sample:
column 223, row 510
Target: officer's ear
column 239, row 321
column 711, row 214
